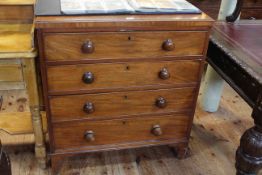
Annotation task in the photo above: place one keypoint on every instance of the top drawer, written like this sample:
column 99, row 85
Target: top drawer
column 123, row 45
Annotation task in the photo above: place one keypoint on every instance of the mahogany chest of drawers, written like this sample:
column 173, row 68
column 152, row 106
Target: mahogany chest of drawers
column 120, row 81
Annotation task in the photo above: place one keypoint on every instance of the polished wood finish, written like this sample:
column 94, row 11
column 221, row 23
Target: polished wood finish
column 16, row 39
column 252, row 9
column 210, row 7
column 111, row 133
column 238, row 59
column 88, row 47
column 124, row 22
column 124, row 45
column 119, row 104
column 123, row 81
column 22, row 13
column 11, row 71
column 121, row 75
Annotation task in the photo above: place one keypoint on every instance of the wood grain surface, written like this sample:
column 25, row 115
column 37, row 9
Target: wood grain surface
column 131, row 22
column 122, row 56
column 210, row 7
column 122, row 45
column 69, row 78
column 11, row 71
column 117, row 104
column 16, row 38
column 24, row 13
column 252, row 9
column 121, row 131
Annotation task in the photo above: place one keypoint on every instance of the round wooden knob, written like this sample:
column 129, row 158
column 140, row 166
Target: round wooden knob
column 168, row 45
column 88, row 47
column 89, row 108
column 161, row 102
column 156, row 130
column 164, row 74
column 88, row 77
column 90, row 136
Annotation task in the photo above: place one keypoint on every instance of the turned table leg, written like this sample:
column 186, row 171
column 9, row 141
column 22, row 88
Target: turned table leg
column 40, row 150
column 181, row 151
column 249, row 153
column 29, row 72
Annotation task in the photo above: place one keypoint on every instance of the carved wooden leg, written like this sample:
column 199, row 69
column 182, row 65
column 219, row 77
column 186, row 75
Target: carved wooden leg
column 56, row 163
column 249, row 153
column 32, row 90
column 40, row 150
column 181, row 151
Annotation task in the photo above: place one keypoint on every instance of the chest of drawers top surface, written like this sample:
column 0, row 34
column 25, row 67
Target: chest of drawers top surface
column 49, row 15
column 125, row 22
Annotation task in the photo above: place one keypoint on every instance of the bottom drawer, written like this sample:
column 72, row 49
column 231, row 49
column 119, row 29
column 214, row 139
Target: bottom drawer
column 114, row 133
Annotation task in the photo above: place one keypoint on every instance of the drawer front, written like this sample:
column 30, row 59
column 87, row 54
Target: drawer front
column 119, row 104
column 11, row 70
column 93, row 46
column 16, row 13
column 70, row 135
column 120, row 75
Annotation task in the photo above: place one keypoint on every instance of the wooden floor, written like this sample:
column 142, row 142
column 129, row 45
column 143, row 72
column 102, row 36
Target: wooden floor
column 214, row 140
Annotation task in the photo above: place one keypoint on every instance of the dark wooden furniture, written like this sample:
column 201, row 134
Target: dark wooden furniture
column 5, row 165
column 235, row 53
column 252, row 9
column 210, row 7
column 120, row 81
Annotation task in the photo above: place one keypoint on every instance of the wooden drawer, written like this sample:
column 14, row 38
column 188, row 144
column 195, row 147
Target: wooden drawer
column 120, row 75
column 118, row 104
column 16, row 13
column 123, row 45
column 11, row 70
column 114, row 133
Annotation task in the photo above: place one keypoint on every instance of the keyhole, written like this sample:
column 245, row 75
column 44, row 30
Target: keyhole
column 125, row 97
column 127, row 67
column 129, row 38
